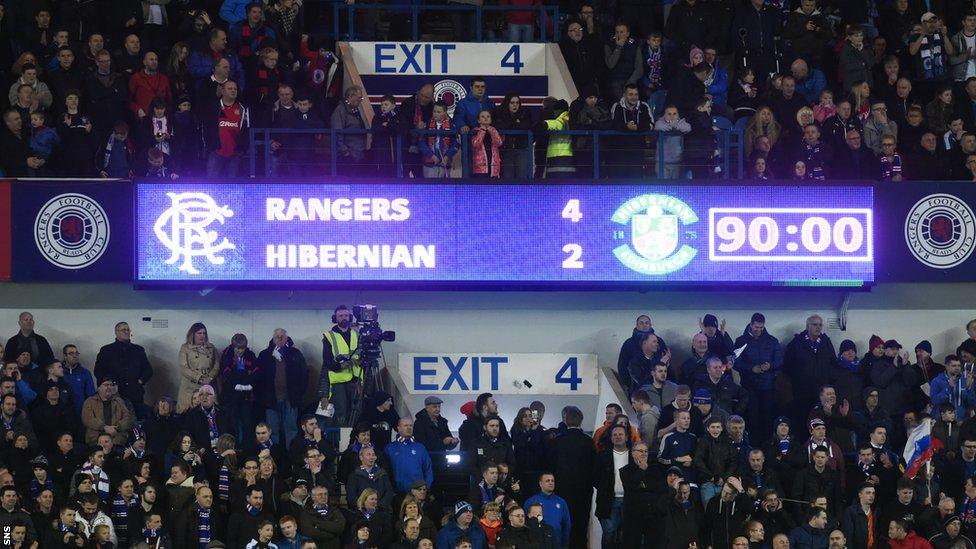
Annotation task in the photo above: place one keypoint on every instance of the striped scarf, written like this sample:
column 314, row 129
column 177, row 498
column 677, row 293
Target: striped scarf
column 890, row 167
column 101, row 479
column 120, row 514
column 203, row 530
column 36, row 487
column 64, row 528
column 439, row 142
column 370, row 471
column 223, row 484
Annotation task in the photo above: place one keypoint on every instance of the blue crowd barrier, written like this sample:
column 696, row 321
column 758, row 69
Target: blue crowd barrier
column 729, row 160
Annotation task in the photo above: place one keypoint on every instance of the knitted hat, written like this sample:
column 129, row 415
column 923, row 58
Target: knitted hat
column 461, row 508
column 702, row 396
column 925, row 346
column 875, row 341
column 847, row 345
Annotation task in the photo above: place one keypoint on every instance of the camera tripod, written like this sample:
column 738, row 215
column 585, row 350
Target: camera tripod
column 371, row 383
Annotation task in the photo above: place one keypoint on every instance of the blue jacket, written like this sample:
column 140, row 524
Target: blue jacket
column 807, row 537
column 410, row 462
column 811, row 86
column 964, row 399
column 451, row 532
column 765, row 348
column 80, row 381
column 201, row 67
column 233, row 11
column 467, row 110
column 719, row 88
column 555, row 513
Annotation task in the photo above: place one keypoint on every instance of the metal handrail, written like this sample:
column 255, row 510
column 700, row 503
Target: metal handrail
column 728, row 143
column 547, row 14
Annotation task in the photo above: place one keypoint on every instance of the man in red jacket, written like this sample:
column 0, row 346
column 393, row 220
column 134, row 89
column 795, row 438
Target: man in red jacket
column 148, row 84
column 901, row 537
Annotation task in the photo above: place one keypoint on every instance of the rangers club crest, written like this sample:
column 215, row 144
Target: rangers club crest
column 450, row 92
column 71, row 231
column 940, row 231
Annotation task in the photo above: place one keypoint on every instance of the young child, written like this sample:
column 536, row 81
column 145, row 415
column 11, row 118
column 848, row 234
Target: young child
column 386, row 126
column 437, row 150
column 671, row 145
column 825, row 108
column 101, row 538
column 156, row 165
column 302, row 146
column 263, row 539
column 486, row 143
column 700, row 142
column 911, row 130
column 157, row 130
column 118, row 153
column 43, row 141
column 946, row 429
column 184, row 147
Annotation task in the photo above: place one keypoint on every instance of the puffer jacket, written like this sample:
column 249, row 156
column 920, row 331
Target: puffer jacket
column 764, row 348
column 479, row 153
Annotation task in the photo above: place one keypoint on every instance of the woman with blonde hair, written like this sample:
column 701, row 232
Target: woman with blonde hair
column 761, row 123
column 369, row 512
column 410, row 509
column 199, row 364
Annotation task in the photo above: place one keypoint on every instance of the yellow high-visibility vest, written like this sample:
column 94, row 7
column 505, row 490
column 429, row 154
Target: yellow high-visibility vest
column 340, row 347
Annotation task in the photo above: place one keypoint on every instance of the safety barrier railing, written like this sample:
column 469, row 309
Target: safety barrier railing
column 597, row 154
column 547, row 18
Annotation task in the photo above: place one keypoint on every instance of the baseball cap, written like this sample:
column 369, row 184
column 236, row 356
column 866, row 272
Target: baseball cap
column 816, row 422
column 928, row 15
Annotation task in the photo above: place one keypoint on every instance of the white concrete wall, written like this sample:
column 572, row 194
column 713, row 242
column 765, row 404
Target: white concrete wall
column 579, row 322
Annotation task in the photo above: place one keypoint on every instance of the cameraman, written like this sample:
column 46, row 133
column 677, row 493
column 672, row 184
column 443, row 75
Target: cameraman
column 343, row 375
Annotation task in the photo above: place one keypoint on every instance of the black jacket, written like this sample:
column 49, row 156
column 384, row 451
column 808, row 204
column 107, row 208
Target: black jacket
column 572, row 458
column 195, row 423
column 723, row 520
column 679, row 525
column 128, row 364
column 689, row 26
column 431, row 433
column 516, row 538
column 583, row 61
column 296, row 374
column 17, row 344
column 243, row 526
column 603, row 480
column 187, row 527
column 808, row 368
column 14, row 153
column 325, row 530
column 856, row 165
column 497, row 451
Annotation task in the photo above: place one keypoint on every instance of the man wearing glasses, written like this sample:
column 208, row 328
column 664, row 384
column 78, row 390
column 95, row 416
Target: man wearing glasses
column 808, row 360
column 127, row 363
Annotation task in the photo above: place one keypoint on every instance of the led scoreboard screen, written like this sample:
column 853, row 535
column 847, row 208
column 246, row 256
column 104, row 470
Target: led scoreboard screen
column 503, row 234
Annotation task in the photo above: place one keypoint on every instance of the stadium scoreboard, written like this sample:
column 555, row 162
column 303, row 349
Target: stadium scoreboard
column 503, row 234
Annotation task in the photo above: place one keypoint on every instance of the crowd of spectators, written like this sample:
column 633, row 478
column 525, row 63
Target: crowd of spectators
column 703, row 455
column 822, row 89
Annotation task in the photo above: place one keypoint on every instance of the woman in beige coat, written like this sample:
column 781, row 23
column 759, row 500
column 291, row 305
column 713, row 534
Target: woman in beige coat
column 199, row 363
